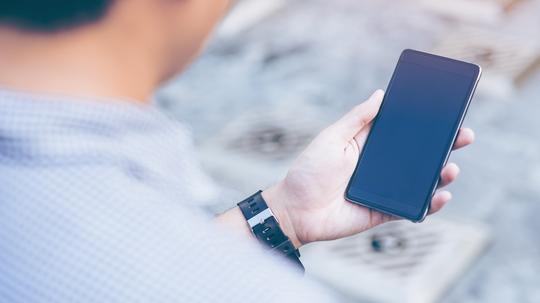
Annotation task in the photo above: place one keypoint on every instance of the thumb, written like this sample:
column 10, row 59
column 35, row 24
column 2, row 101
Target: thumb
column 359, row 117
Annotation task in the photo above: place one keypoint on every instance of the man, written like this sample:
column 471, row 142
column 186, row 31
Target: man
column 99, row 192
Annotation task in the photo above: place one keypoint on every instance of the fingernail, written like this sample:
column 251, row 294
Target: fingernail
column 377, row 94
column 448, row 195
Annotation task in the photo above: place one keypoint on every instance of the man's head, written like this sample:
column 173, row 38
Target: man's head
column 52, row 15
column 172, row 31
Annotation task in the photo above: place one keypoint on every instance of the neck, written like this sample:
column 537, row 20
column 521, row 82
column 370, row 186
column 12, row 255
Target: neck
column 85, row 62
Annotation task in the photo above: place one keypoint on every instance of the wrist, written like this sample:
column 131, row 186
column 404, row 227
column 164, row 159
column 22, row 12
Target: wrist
column 277, row 199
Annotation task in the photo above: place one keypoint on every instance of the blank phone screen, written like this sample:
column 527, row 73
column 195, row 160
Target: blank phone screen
column 411, row 137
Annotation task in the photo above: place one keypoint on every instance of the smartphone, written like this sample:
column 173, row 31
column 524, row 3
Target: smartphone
column 412, row 135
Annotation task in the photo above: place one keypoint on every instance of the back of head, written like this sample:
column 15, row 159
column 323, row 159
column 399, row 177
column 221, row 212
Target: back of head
column 51, row 15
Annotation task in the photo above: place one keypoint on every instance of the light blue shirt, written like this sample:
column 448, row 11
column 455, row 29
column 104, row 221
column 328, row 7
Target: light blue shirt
column 100, row 202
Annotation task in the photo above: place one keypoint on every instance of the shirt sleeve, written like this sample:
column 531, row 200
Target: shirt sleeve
column 94, row 235
column 99, row 203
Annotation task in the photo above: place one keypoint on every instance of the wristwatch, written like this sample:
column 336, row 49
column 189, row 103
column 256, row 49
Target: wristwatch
column 265, row 227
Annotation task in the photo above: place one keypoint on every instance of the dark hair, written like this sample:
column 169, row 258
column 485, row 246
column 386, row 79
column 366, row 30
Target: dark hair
column 51, row 15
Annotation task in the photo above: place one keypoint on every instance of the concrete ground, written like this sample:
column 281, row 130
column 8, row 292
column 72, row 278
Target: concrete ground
column 327, row 55
column 500, row 185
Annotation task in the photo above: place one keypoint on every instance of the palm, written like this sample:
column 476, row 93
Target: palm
column 319, row 177
column 312, row 194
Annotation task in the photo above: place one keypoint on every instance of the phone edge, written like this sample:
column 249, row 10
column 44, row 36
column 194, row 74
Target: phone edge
column 427, row 203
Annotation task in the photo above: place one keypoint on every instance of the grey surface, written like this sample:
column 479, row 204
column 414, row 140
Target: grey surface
column 499, row 185
column 328, row 55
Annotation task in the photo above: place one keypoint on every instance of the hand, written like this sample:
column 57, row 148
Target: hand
column 309, row 203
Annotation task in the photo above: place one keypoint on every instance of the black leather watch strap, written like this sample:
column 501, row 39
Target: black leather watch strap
column 266, row 228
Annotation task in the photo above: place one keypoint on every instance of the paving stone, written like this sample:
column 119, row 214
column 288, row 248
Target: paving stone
column 328, row 55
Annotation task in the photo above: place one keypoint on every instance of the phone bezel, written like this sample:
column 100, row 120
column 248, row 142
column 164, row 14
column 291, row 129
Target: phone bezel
column 430, row 61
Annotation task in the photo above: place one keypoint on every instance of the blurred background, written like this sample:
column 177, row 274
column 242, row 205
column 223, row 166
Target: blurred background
column 278, row 71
